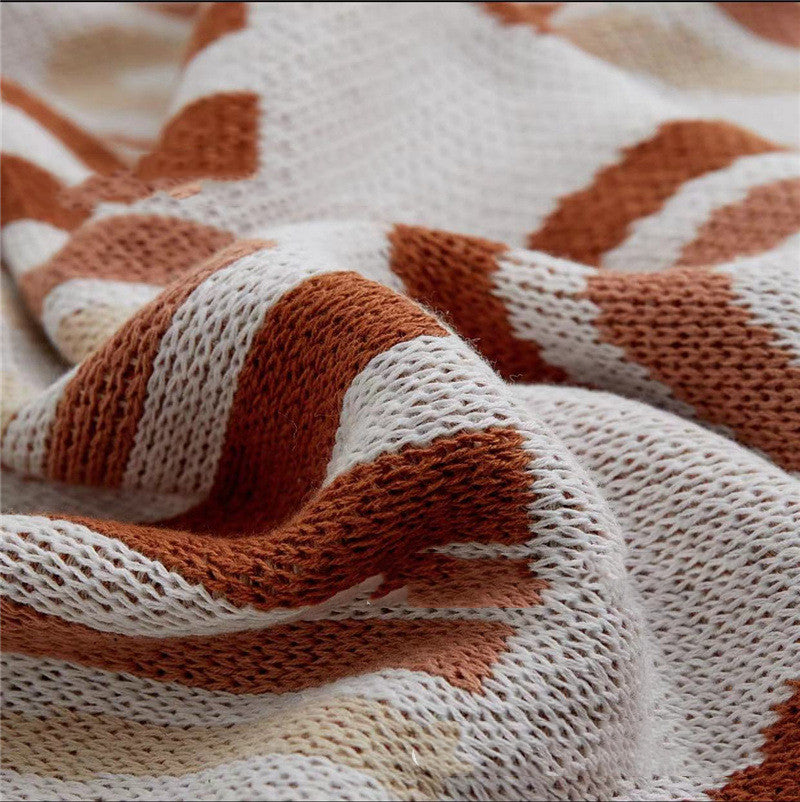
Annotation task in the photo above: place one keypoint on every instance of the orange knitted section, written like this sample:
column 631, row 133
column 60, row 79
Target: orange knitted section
column 768, row 215
column 174, row 9
column 285, row 413
column 145, row 248
column 684, row 326
column 779, row 22
column 213, row 137
column 374, row 519
column 28, row 192
column 99, row 410
column 537, row 15
column 214, row 21
column 452, row 274
column 280, row 659
column 777, row 777
column 594, row 220
column 439, row 580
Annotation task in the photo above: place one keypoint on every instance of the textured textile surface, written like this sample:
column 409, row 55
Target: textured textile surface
column 400, row 401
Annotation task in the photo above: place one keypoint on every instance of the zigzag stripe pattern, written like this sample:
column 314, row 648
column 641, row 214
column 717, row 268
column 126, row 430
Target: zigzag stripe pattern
column 426, row 421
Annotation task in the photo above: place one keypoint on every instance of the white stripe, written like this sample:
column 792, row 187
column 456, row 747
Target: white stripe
column 30, row 243
column 656, row 241
column 24, row 137
column 212, row 70
column 768, row 286
column 276, row 777
column 27, row 495
column 25, row 440
column 414, row 392
column 34, row 687
column 542, row 295
column 362, row 246
column 78, row 294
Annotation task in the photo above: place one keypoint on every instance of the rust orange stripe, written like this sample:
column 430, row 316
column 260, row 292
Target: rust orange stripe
column 280, row 659
column 768, row 215
column 173, row 9
column 86, row 147
column 214, row 137
column 779, row 22
column 439, row 580
column 146, row 248
column 214, row 21
column 373, row 520
column 594, row 220
column 27, row 192
column 536, row 15
column 776, row 777
column 97, row 416
column 452, row 274
column 285, row 413
column 685, row 327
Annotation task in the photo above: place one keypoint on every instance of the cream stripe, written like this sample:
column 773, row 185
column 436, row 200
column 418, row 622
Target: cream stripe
column 24, row 137
column 65, row 569
column 25, row 439
column 78, row 294
column 541, row 295
column 414, row 392
column 362, row 734
column 656, row 241
column 768, row 286
column 30, row 243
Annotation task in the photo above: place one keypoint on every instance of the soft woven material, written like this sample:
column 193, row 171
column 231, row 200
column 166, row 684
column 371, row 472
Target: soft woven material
column 433, row 424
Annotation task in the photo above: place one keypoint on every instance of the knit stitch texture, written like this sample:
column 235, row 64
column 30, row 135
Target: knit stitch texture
column 400, row 401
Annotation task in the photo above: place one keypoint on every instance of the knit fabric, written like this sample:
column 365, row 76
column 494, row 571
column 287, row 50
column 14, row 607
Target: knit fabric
column 400, row 401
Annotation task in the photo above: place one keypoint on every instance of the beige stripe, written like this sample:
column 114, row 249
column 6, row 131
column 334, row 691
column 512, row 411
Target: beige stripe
column 366, row 735
column 629, row 38
column 80, row 334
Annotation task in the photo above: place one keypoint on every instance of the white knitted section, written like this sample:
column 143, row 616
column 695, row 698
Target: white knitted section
column 24, row 443
column 24, row 137
column 406, row 113
column 125, row 298
column 268, row 777
column 656, row 241
column 768, row 286
column 416, row 391
column 356, row 245
column 34, row 686
column 24, row 349
column 705, row 558
column 25, row 494
column 542, row 295
column 30, row 243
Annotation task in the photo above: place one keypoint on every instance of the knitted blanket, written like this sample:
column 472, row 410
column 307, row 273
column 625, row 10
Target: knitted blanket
column 401, row 401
